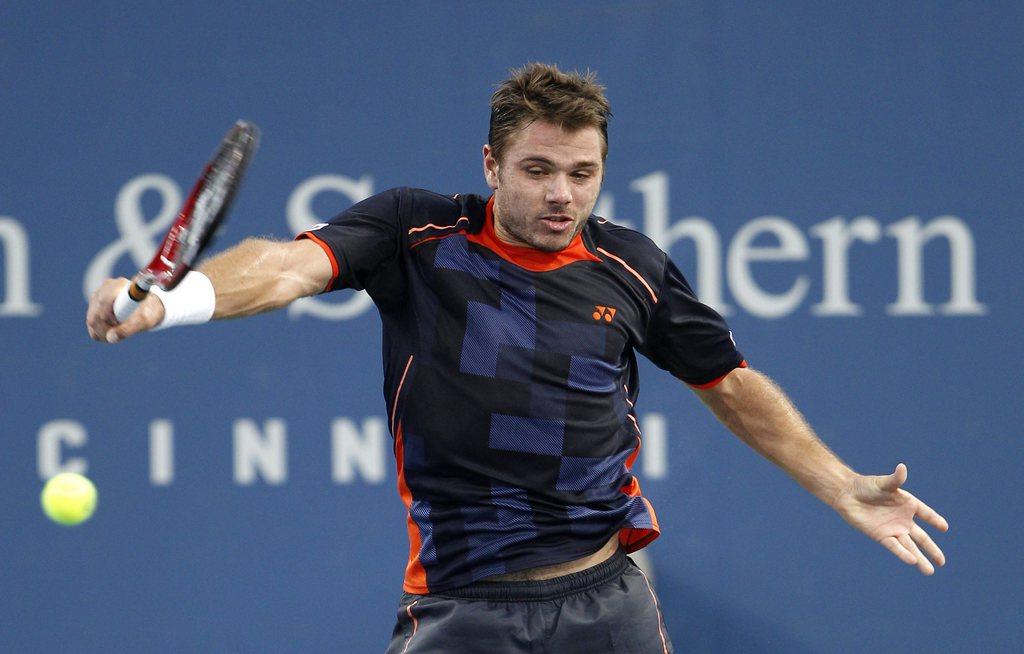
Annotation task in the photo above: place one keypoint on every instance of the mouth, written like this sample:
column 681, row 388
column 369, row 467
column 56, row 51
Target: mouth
column 557, row 222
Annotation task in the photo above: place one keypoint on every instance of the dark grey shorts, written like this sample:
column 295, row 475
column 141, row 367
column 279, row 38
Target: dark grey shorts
column 608, row 608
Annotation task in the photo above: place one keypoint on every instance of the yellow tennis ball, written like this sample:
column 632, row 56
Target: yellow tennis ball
column 68, row 498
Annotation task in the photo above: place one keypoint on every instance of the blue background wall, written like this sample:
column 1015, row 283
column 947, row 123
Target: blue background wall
column 804, row 111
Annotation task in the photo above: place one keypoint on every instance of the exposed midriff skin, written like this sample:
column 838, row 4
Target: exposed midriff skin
column 559, row 569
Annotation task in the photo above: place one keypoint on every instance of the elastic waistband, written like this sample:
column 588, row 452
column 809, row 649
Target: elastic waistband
column 547, row 589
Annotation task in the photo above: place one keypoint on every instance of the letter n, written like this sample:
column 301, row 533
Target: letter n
column 911, row 238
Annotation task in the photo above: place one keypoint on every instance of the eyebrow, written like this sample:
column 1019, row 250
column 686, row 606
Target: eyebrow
column 543, row 160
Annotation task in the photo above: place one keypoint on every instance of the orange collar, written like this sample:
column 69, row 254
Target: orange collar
column 527, row 257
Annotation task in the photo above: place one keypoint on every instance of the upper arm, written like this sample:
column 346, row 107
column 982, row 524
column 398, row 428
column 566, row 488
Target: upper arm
column 746, row 401
column 730, row 386
column 309, row 266
column 259, row 275
column 733, row 397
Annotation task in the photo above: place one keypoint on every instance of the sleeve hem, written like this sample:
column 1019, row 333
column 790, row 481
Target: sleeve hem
column 718, row 380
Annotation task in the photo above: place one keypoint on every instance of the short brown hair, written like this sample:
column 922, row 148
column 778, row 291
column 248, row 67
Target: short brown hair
column 542, row 92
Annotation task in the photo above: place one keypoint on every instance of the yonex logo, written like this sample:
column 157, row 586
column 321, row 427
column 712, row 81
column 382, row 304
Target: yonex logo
column 604, row 312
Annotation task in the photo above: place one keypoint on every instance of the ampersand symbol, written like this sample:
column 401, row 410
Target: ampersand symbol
column 138, row 237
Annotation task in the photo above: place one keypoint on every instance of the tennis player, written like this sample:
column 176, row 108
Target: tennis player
column 511, row 324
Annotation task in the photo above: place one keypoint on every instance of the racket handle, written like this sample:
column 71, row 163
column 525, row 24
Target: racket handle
column 128, row 299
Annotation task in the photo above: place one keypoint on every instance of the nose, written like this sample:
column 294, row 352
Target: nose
column 558, row 191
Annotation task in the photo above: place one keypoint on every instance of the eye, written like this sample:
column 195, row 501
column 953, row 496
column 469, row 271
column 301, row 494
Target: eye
column 581, row 175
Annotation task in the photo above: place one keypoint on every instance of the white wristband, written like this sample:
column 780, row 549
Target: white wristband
column 190, row 303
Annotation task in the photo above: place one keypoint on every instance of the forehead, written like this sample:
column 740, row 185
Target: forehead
column 549, row 141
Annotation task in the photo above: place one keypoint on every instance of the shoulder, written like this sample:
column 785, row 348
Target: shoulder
column 607, row 234
column 627, row 247
column 428, row 215
column 421, row 204
column 434, row 202
column 415, row 207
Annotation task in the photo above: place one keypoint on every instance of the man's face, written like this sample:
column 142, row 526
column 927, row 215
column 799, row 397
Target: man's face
column 545, row 185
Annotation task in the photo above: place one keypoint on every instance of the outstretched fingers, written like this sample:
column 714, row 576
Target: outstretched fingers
column 913, row 546
column 925, row 542
column 923, row 564
column 931, row 516
column 896, row 547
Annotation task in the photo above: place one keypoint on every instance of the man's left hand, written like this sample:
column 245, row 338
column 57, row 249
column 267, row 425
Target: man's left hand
column 878, row 506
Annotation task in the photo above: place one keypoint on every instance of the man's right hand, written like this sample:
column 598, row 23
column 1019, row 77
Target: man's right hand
column 103, row 325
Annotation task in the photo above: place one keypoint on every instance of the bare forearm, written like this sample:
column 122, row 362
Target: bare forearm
column 260, row 275
column 760, row 414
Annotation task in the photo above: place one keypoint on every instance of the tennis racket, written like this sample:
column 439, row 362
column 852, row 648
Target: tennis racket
column 205, row 209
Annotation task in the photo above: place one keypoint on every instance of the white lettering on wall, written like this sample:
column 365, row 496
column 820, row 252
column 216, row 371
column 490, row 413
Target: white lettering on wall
column 654, row 453
column 161, row 452
column 260, row 452
column 655, row 189
column 300, row 216
column 792, row 246
column 50, row 440
column 16, row 284
column 911, row 238
column 837, row 236
column 139, row 238
column 358, row 451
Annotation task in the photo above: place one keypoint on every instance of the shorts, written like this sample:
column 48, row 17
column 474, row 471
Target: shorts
column 609, row 608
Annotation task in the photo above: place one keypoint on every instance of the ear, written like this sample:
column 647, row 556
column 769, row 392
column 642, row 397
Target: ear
column 490, row 168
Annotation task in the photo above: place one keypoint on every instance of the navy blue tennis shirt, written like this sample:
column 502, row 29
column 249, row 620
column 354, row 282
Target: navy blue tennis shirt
column 510, row 377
